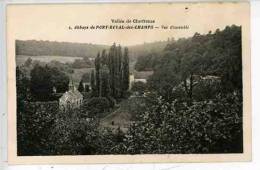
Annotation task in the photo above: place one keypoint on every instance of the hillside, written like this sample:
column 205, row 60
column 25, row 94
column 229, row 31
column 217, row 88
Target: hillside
column 136, row 51
column 53, row 48
column 216, row 54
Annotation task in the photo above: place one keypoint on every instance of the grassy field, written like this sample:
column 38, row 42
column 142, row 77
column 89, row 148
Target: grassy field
column 20, row 59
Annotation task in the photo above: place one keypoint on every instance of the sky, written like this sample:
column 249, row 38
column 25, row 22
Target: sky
column 51, row 22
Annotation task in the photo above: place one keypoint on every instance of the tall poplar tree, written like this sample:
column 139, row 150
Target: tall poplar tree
column 97, row 67
column 104, row 80
column 81, row 87
column 92, row 82
column 119, row 72
column 125, row 70
column 104, row 59
column 112, row 70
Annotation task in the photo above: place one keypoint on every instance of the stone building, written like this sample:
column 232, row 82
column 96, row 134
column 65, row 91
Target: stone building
column 139, row 76
column 71, row 99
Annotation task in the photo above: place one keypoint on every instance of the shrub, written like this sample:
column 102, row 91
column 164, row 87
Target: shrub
column 97, row 105
column 139, row 87
column 33, row 127
column 204, row 127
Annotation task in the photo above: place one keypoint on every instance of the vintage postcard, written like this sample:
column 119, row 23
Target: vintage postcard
column 128, row 83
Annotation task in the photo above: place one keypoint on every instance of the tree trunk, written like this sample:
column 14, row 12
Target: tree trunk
column 191, row 87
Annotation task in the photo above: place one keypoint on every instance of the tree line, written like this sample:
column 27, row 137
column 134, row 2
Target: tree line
column 40, row 83
column 111, row 74
column 39, row 48
column 217, row 55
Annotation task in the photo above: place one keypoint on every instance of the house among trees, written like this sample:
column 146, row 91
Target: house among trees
column 139, row 76
column 207, row 78
column 71, row 99
column 87, row 86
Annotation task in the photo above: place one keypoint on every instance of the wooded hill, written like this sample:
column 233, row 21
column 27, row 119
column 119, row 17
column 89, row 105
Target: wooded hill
column 40, row 48
column 51, row 48
column 144, row 49
column 217, row 53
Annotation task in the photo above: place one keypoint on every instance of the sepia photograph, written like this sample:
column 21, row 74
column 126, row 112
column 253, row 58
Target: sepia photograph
column 144, row 84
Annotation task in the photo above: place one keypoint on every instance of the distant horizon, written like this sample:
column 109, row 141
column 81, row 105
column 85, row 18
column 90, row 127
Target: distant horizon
column 100, row 44
column 138, row 44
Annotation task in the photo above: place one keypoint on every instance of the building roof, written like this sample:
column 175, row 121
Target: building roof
column 209, row 77
column 71, row 95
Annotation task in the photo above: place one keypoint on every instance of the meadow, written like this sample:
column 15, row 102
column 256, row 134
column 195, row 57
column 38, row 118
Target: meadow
column 20, row 59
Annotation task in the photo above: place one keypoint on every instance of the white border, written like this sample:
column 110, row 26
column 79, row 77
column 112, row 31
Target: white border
column 3, row 89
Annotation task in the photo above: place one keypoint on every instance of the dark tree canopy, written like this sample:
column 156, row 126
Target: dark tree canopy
column 44, row 79
column 112, row 72
column 216, row 54
column 81, row 87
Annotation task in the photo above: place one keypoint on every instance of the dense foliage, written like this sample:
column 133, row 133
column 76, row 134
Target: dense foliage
column 96, row 106
column 44, row 79
column 147, row 62
column 216, row 54
column 203, row 127
column 82, row 63
column 147, row 48
column 34, row 124
column 111, row 76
